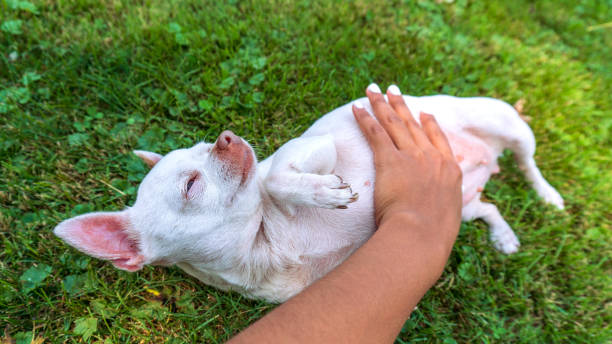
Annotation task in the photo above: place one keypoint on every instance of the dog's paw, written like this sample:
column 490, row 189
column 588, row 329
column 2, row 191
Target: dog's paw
column 551, row 196
column 332, row 192
column 505, row 240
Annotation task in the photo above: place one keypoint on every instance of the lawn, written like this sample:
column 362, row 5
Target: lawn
column 84, row 82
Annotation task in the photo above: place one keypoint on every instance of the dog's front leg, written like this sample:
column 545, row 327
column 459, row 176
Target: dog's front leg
column 301, row 174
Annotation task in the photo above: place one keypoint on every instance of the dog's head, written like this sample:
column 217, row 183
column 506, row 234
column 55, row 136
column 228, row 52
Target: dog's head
column 190, row 207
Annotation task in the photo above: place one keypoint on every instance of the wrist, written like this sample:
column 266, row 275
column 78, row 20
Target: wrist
column 441, row 226
column 430, row 239
column 403, row 219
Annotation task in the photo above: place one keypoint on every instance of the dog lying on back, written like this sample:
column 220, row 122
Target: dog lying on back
column 269, row 229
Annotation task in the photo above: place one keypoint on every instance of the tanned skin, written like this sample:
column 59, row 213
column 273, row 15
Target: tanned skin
column 368, row 298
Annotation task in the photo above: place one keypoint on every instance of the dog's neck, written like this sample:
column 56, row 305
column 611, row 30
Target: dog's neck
column 254, row 258
column 240, row 267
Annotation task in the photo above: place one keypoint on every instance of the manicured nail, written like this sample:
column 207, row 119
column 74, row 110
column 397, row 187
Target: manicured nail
column 374, row 88
column 394, row 90
column 358, row 104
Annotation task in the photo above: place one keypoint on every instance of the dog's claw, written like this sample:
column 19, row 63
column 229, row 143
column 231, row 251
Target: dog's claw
column 336, row 194
column 344, row 186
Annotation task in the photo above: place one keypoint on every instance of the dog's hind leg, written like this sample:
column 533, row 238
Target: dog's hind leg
column 524, row 150
column 501, row 234
column 500, row 125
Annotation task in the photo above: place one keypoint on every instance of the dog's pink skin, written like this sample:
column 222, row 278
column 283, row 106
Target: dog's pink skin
column 235, row 153
column 105, row 236
column 268, row 230
column 471, row 152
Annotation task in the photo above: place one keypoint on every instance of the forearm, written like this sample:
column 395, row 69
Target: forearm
column 365, row 299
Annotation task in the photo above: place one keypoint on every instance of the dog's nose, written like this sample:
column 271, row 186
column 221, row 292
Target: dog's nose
column 226, row 139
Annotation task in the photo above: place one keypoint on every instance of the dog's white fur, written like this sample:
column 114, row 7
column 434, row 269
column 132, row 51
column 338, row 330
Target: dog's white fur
column 268, row 230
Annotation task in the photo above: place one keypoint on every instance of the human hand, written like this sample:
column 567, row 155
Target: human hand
column 416, row 173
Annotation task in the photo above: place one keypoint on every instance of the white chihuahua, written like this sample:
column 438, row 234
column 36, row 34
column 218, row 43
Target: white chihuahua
column 269, row 229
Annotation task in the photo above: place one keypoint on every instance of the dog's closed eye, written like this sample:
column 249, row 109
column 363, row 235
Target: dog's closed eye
column 190, row 183
column 189, row 186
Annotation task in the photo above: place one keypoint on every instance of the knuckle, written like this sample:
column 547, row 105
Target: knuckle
column 375, row 129
column 360, row 112
column 459, row 172
column 430, row 122
column 365, row 120
column 455, row 170
column 397, row 101
column 410, row 119
column 409, row 122
column 393, row 118
column 417, row 154
column 405, row 112
column 377, row 100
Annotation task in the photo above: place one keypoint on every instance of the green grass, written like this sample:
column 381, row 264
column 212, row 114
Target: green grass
column 84, row 82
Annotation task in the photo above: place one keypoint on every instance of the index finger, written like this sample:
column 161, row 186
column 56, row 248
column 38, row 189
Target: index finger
column 377, row 137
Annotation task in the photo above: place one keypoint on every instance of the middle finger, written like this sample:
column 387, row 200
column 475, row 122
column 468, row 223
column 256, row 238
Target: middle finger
column 397, row 103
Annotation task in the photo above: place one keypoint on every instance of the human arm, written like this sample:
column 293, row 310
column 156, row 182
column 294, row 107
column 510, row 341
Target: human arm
column 418, row 203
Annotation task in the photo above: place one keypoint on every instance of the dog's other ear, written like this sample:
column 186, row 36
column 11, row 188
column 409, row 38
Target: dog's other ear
column 149, row 158
column 104, row 236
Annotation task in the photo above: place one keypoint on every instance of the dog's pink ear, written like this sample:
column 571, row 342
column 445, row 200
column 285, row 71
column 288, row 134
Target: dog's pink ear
column 104, row 236
column 149, row 158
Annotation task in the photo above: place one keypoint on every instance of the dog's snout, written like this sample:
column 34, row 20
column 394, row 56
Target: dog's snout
column 226, row 139
column 234, row 154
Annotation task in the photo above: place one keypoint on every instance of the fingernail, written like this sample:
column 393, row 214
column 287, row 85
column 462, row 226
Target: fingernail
column 374, row 88
column 358, row 104
column 394, row 90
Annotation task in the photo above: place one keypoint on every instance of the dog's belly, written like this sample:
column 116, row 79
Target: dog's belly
column 337, row 230
column 477, row 161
